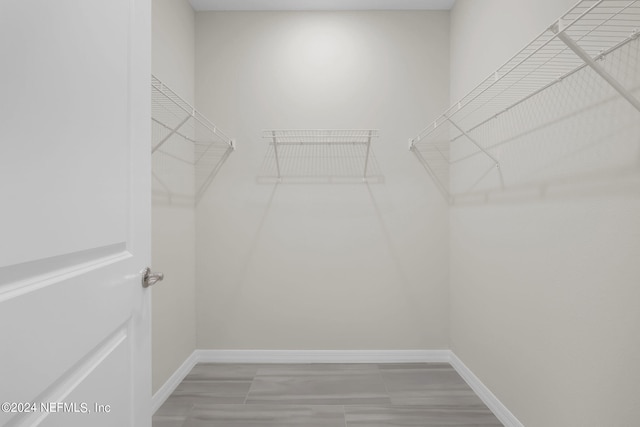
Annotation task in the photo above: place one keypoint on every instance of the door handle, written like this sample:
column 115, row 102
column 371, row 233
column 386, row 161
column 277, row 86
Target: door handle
column 149, row 278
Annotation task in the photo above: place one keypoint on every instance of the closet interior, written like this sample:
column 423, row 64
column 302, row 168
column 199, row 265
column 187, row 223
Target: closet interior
column 322, row 234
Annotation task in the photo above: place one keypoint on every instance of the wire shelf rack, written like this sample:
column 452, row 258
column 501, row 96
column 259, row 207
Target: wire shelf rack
column 188, row 149
column 574, row 86
column 320, row 155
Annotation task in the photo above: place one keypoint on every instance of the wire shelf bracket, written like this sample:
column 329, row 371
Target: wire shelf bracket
column 557, row 28
column 588, row 59
column 322, row 154
column 187, row 150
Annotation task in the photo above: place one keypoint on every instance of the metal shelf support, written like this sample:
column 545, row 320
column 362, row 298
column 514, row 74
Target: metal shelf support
column 322, row 154
column 275, row 151
column 180, row 133
column 571, row 44
column 517, row 102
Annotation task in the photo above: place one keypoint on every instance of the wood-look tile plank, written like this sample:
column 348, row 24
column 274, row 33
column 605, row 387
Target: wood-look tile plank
column 319, row 385
column 396, row 416
column 427, row 384
column 312, row 369
column 168, row 421
column 323, row 395
column 222, row 371
column 265, row 416
column 175, row 407
column 214, row 391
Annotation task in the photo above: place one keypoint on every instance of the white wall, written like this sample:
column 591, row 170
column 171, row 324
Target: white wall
column 173, row 219
column 544, row 290
column 322, row 266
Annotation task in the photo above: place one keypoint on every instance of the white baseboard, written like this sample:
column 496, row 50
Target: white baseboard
column 293, row 356
column 172, row 383
column 322, row 356
column 493, row 403
column 337, row 356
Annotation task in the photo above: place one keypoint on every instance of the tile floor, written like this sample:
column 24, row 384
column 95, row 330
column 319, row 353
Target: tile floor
column 323, row 395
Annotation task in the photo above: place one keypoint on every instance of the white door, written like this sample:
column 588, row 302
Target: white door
column 74, row 212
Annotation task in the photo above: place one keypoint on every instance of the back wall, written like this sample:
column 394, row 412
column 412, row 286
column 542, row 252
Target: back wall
column 322, row 265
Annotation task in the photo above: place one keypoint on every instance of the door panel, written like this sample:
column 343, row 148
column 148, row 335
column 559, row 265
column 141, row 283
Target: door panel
column 68, row 119
column 74, row 224
column 115, row 407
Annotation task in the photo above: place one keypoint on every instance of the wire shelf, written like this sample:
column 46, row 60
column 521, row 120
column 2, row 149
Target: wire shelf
column 584, row 65
column 320, row 155
column 188, row 149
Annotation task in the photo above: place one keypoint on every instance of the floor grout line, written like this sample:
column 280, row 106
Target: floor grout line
column 344, row 412
column 384, row 384
column 250, row 385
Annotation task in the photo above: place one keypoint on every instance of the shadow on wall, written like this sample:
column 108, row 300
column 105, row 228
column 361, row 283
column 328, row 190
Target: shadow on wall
column 404, row 280
column 592, row 151
column 261, row 232
column 178, row 182
column 254, row 243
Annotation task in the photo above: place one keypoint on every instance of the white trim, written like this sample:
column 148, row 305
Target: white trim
column 493, row 403
column 293, row 356
column 323, row 356
column 204, row 5
column 174, row 380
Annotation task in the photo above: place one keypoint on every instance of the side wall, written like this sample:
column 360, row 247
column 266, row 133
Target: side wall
column 322, row 266
column 173, row 228
column 544, row 291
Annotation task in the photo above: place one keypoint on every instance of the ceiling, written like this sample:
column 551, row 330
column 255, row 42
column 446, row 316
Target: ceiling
column 322, row 4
